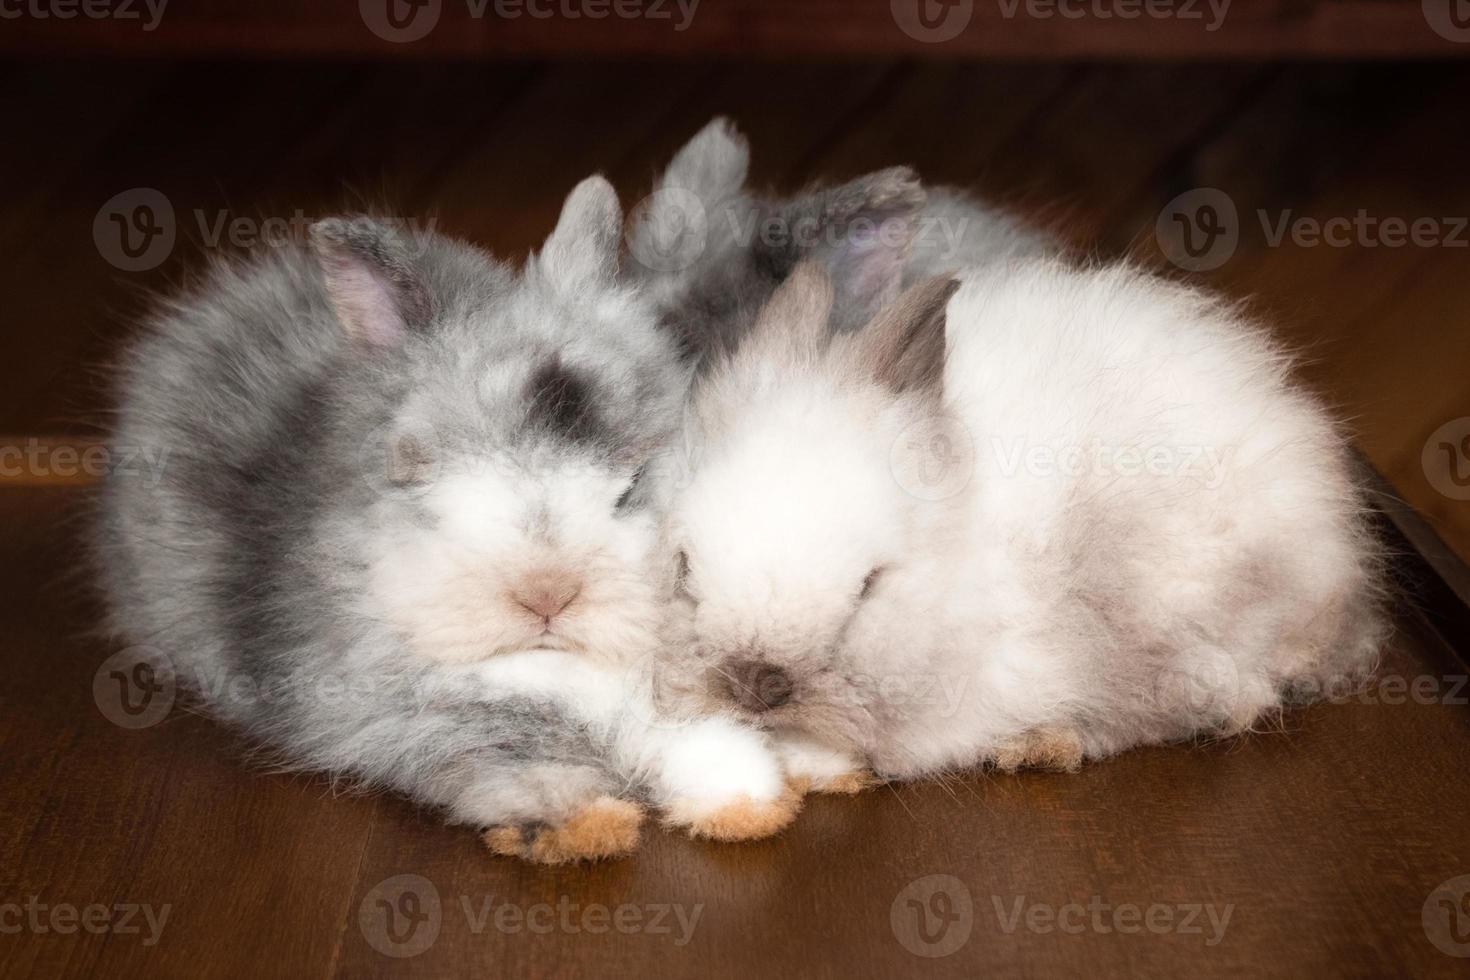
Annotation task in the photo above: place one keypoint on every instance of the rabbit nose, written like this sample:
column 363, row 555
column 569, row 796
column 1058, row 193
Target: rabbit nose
column 547, row 595
column 758, row 686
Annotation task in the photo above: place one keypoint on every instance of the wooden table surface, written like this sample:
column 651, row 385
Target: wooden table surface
column 1315, row 849
column 1310, row 850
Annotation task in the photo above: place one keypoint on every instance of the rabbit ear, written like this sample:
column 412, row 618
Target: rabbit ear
column 583, row 249
column 370, row 278
column 797, row 314
column 670, row 229
column 712, row 164
column 864, row 231
column 904, row 347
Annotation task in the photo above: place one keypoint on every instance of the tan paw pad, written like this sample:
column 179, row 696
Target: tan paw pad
column 740, row 819
column 849, row 783
column 1057, row 750
column 606, row 828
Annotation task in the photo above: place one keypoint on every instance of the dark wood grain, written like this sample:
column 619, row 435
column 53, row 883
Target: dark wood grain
column 1324, row 837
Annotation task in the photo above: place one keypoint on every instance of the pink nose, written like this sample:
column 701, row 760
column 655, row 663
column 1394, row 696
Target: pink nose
column 546, row 596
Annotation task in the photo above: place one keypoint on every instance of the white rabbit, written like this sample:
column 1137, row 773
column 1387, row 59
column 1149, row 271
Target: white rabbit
column 1092, row 512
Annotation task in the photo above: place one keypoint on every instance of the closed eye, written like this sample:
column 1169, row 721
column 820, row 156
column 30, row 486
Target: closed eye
column 627, row 498
column 869, row 582
column 681, row 574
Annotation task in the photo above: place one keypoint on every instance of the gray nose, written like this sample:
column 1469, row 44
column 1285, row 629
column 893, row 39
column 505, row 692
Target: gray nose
column 756, row 685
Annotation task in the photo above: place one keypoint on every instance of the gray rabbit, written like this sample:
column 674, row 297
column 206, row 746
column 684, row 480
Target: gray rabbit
column 401, row 535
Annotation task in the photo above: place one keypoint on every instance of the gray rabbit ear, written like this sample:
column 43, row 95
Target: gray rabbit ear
column 713, row 164
column 670, row 229
column 583, row 250
column 370, row 279
column 864, row 231
column 904, row 347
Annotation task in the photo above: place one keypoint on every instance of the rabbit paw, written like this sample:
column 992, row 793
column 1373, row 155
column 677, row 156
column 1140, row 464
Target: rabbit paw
column 814, row 768
column 605, row 828
column 722, row 781
column 741, row 818
column 1055, row 749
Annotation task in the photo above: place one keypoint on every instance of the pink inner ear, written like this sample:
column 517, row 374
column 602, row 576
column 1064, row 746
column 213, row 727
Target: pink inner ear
column 868, row 267
column 365, row 303
column 875, row 272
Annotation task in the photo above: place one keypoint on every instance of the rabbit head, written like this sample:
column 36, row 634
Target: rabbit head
column 501, row 422
column 791, row 511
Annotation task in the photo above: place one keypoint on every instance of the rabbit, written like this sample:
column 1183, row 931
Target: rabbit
column 1032, row 515
column 711, row 252
column 401, row 535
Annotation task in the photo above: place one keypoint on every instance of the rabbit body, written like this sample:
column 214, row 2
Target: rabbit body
column 1044, row 514
column 400, row 536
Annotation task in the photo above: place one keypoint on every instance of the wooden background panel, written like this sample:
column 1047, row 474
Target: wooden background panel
column 1042, row 29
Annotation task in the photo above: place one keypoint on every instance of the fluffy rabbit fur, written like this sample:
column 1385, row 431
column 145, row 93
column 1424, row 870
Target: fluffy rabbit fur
column 400, row 536
column 1093, row 512
column 710, row 252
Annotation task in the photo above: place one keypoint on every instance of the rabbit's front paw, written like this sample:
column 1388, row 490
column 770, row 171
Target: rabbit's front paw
column 813, row 767
column 741, row 817
column 720, row 780
column 605, row 828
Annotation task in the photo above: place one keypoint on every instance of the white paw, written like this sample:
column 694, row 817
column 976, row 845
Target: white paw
column 721, row 780
column 814, row 766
